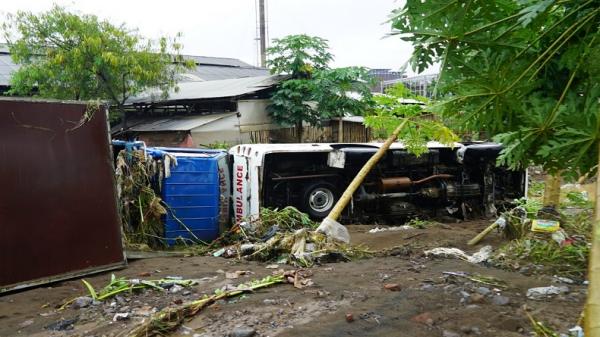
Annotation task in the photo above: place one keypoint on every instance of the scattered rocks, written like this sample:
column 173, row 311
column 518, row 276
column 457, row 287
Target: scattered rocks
column 476, row 298
column 448, row 333
column 392, row 286
column 427, row 287
column 500, row 300
column 470, row 330
column 65, row 324
column 526, row 270
column 120, row 300
column 424, row 318
column 483, row 291
column 26, row 323
column 242, row 331
column 82, row 302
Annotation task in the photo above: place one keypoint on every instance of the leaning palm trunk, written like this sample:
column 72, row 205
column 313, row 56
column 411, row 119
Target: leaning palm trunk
column 592, row 309
column 329, row 224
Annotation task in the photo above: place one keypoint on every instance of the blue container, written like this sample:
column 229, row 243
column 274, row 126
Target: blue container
column 192, row 194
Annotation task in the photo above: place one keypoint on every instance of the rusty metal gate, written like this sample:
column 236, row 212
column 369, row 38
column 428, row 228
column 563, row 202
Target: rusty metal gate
column 58, row 212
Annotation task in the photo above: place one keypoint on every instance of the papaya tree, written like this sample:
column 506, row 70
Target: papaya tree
column 298, row 57
column 528, row 73
column 343, row 91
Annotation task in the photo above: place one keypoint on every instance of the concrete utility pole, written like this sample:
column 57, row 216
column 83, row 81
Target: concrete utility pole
column 263, row 33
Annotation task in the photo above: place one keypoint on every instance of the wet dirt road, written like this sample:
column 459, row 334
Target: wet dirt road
column 428, row 303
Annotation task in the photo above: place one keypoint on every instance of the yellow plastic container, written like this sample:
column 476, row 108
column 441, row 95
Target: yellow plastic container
column 544, row 226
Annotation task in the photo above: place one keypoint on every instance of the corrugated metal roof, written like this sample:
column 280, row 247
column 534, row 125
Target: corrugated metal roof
column 220, row 61
column 208, row 69
column 213, row 73
column 174, row 123
column 210, row 89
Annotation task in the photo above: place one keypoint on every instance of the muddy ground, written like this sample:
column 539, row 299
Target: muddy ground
column 428, row 303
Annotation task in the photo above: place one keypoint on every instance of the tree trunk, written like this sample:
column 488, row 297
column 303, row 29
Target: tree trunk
column 552, row 190
column 341, row 129
column 299, row 132
column 360, row 176
column 592, row 308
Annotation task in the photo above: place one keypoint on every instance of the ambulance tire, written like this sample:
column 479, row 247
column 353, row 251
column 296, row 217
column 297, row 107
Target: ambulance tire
column 319, row 198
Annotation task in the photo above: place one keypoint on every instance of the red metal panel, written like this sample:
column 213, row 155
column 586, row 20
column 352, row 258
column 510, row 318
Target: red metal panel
column 58, row 213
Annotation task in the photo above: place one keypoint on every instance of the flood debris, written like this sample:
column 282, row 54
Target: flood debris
column 140, row 207
column 286, row 236
column 487, row 280
column 120, row 285
column 385, row 229
column 544, row 241
column 480, row 256
column 539, row 293
column 171, row 318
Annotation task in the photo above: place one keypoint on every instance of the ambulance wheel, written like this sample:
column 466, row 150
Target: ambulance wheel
column 319, row 199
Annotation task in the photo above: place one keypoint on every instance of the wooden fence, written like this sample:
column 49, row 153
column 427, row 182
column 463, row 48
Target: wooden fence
column 352, row 133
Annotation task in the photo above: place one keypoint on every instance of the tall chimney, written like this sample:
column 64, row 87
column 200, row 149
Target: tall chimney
column 263, row 35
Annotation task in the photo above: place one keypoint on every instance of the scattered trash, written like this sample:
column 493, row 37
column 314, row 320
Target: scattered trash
column 576, row 331
column 544, row 292
column 335, row 230
column 395, row 228
column 64, row 324
column 175, row 289
column 121, row 316
column 562, row 250
column 349, row 318
column 563, row 280
column 481, row 256
column 544, row 226
column 272, row 266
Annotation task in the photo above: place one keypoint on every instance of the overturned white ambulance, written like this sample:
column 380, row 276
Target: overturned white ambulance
column 460, row 180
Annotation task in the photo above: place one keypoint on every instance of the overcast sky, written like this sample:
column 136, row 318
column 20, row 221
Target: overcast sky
column 356, row 29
